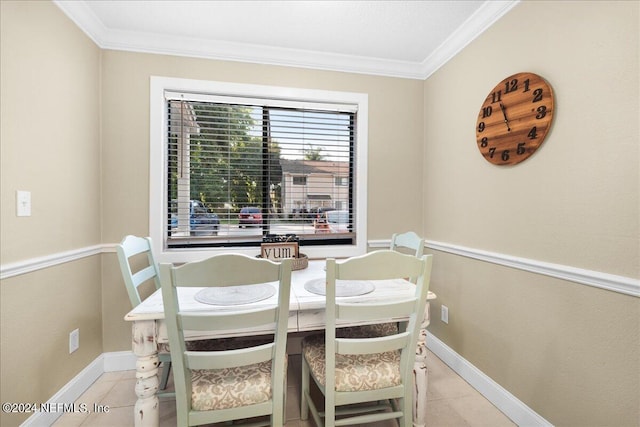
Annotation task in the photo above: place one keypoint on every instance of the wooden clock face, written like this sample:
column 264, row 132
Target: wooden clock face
column 514, row 119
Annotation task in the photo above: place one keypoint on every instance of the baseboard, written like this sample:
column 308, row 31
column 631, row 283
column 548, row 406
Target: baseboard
column 119, row 361
column 507, row 403
column 63, row 400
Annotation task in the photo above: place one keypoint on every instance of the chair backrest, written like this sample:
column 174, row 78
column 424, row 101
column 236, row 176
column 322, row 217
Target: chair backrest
column 127, row 249
column 220, row 271
column 377, row 265
column 410, row 241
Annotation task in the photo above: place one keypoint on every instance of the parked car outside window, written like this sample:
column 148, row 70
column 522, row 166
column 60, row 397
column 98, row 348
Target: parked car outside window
column 315, row 214
column 249, row 215
column 201, row 221
column 332, row 222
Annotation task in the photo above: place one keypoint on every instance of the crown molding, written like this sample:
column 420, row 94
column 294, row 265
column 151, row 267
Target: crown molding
column 88, row 22
column 476, row 24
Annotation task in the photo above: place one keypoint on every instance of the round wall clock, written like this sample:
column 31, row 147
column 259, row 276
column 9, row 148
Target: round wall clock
column 514, row 119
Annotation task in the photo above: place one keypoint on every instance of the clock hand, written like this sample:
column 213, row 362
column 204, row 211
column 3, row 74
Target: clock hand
column 504, row 113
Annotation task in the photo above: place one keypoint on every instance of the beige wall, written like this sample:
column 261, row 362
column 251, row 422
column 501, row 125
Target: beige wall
column 395, row 152
column 50, row 113
column 568, row 351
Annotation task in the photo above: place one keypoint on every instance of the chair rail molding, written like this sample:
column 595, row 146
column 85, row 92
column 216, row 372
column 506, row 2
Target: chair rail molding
column 610, row 282
column 34, row 264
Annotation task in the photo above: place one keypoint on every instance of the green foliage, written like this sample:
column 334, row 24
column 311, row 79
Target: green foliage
column 226, row 159
column 313, row 153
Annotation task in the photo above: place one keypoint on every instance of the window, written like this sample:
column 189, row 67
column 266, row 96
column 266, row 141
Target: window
column 232, row 163
column 299, row 180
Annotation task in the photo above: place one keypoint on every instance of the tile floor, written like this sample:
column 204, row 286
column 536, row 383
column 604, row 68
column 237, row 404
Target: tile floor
column 451, row 401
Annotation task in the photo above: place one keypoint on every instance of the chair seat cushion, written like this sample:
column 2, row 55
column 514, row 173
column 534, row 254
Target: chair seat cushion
column 368, row 331
column 218, row 344
column 231, row 387
column 353, row 372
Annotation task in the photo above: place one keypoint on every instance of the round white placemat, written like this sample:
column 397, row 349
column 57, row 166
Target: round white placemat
column 235, row 295
column 343, row 289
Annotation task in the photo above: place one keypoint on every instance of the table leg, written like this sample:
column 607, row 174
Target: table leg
column 145, row 347
column 420, row 375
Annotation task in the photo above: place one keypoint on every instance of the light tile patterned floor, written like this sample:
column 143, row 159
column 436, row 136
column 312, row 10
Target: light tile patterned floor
column 451, row 401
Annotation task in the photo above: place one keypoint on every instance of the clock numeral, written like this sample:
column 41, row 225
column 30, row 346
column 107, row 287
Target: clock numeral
column 484, row 142
column 496, row 96
column 526, row 86
column 480, row 126
column 542, row 111
column 537, row 95
column 521, row 150
column 486, row 111
column 511, row 86
column 504, row 156
column 533, row 133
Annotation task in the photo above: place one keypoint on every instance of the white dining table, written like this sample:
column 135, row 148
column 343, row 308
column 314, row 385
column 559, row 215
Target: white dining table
column 306, row 313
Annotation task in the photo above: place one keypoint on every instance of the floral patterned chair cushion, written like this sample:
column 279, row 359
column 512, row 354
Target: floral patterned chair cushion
column 353, row 372
column 231, row 387
column 368, row 331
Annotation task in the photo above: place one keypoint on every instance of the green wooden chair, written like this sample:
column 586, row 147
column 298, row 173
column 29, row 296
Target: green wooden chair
column 138, row 267
column 376, row 371
column 147, row 270
column 230, row 384
column 408, row 242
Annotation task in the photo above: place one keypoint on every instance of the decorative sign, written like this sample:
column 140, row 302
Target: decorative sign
column 278, row 251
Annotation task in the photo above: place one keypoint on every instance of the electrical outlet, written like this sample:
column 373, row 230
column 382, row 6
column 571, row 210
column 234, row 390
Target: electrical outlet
column 444, row 314
column 74, row 340
column 23, row 203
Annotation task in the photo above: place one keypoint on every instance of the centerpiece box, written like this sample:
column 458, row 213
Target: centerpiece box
column 277, row 247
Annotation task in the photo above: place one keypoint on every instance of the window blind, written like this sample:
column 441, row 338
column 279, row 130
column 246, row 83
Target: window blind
column 239, row 169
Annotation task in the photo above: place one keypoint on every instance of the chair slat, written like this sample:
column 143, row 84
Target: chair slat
column 371, row 345
column 229, row 358
column 225, row 321
column 143, row 275
column 380, row 268
column 380, row 311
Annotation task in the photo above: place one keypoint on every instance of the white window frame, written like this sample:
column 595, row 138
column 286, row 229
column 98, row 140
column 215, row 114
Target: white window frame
column 157, row 160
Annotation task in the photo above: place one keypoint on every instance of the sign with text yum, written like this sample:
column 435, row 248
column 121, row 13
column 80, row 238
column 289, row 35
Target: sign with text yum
column 278, row 251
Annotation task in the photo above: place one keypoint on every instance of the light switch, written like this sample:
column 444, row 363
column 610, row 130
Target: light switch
column 23, row 203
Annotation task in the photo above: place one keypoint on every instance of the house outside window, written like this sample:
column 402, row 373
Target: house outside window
column 258, row 164
column 341, row 180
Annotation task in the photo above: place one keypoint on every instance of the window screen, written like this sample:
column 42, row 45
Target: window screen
column 239, row 169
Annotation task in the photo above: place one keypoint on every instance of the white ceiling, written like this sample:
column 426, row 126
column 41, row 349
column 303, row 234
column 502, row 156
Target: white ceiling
column 394, row 38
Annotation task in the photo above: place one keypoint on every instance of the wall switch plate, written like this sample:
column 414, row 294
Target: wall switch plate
column 74, row 340
column 444, row 314
column 23, row 203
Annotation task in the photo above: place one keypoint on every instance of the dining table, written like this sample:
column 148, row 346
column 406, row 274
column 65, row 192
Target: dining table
column 306, row 313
